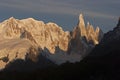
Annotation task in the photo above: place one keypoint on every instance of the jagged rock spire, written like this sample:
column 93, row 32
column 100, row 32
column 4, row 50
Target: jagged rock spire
column 81, row 25
column 99, row 34
column 84, row 38
column 87, row 32
column 81, row 20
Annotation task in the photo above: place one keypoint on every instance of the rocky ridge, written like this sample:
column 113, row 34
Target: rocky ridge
column 84, row 38
column 29, row 36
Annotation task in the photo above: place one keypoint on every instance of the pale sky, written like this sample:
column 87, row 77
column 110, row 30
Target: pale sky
column 102, row 13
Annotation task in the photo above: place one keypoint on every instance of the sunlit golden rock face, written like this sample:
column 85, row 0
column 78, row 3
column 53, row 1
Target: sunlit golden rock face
column 28, row 37
column 84, row 37
column 18, row 36
column 87, row 31
column 47, row 35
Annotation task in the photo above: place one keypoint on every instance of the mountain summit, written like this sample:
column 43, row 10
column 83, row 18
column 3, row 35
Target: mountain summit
column 28, row 38
column 84, row 38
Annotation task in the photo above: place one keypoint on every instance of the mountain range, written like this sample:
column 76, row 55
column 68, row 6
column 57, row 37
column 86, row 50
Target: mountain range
column 45, row 43
column 102, row 62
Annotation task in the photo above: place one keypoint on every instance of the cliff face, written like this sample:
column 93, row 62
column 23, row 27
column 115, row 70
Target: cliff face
column 84, row 38
column 87, row 32
column 28, row 36
column 44, row 35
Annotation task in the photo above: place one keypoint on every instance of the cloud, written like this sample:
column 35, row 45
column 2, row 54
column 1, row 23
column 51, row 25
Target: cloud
column 69, row 7
column 104, row 11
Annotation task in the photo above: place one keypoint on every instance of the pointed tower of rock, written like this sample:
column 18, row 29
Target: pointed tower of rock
column 78, row 42
column 81, row 26
column 84, row 38
column 80, row 30
column 99, row 34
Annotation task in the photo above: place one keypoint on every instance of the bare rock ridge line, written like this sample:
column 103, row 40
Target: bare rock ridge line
column 29, row 36
column 88, row 31
column 84, row 38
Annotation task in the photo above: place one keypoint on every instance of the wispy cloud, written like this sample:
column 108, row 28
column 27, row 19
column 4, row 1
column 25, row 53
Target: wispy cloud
column 107, row 10
column 59, row 7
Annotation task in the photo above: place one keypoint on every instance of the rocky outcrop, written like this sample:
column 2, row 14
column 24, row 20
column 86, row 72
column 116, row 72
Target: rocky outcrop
column 84, row 38
column 87, row 32
column 22, row 37
column 45, row 35
column 27, row 38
